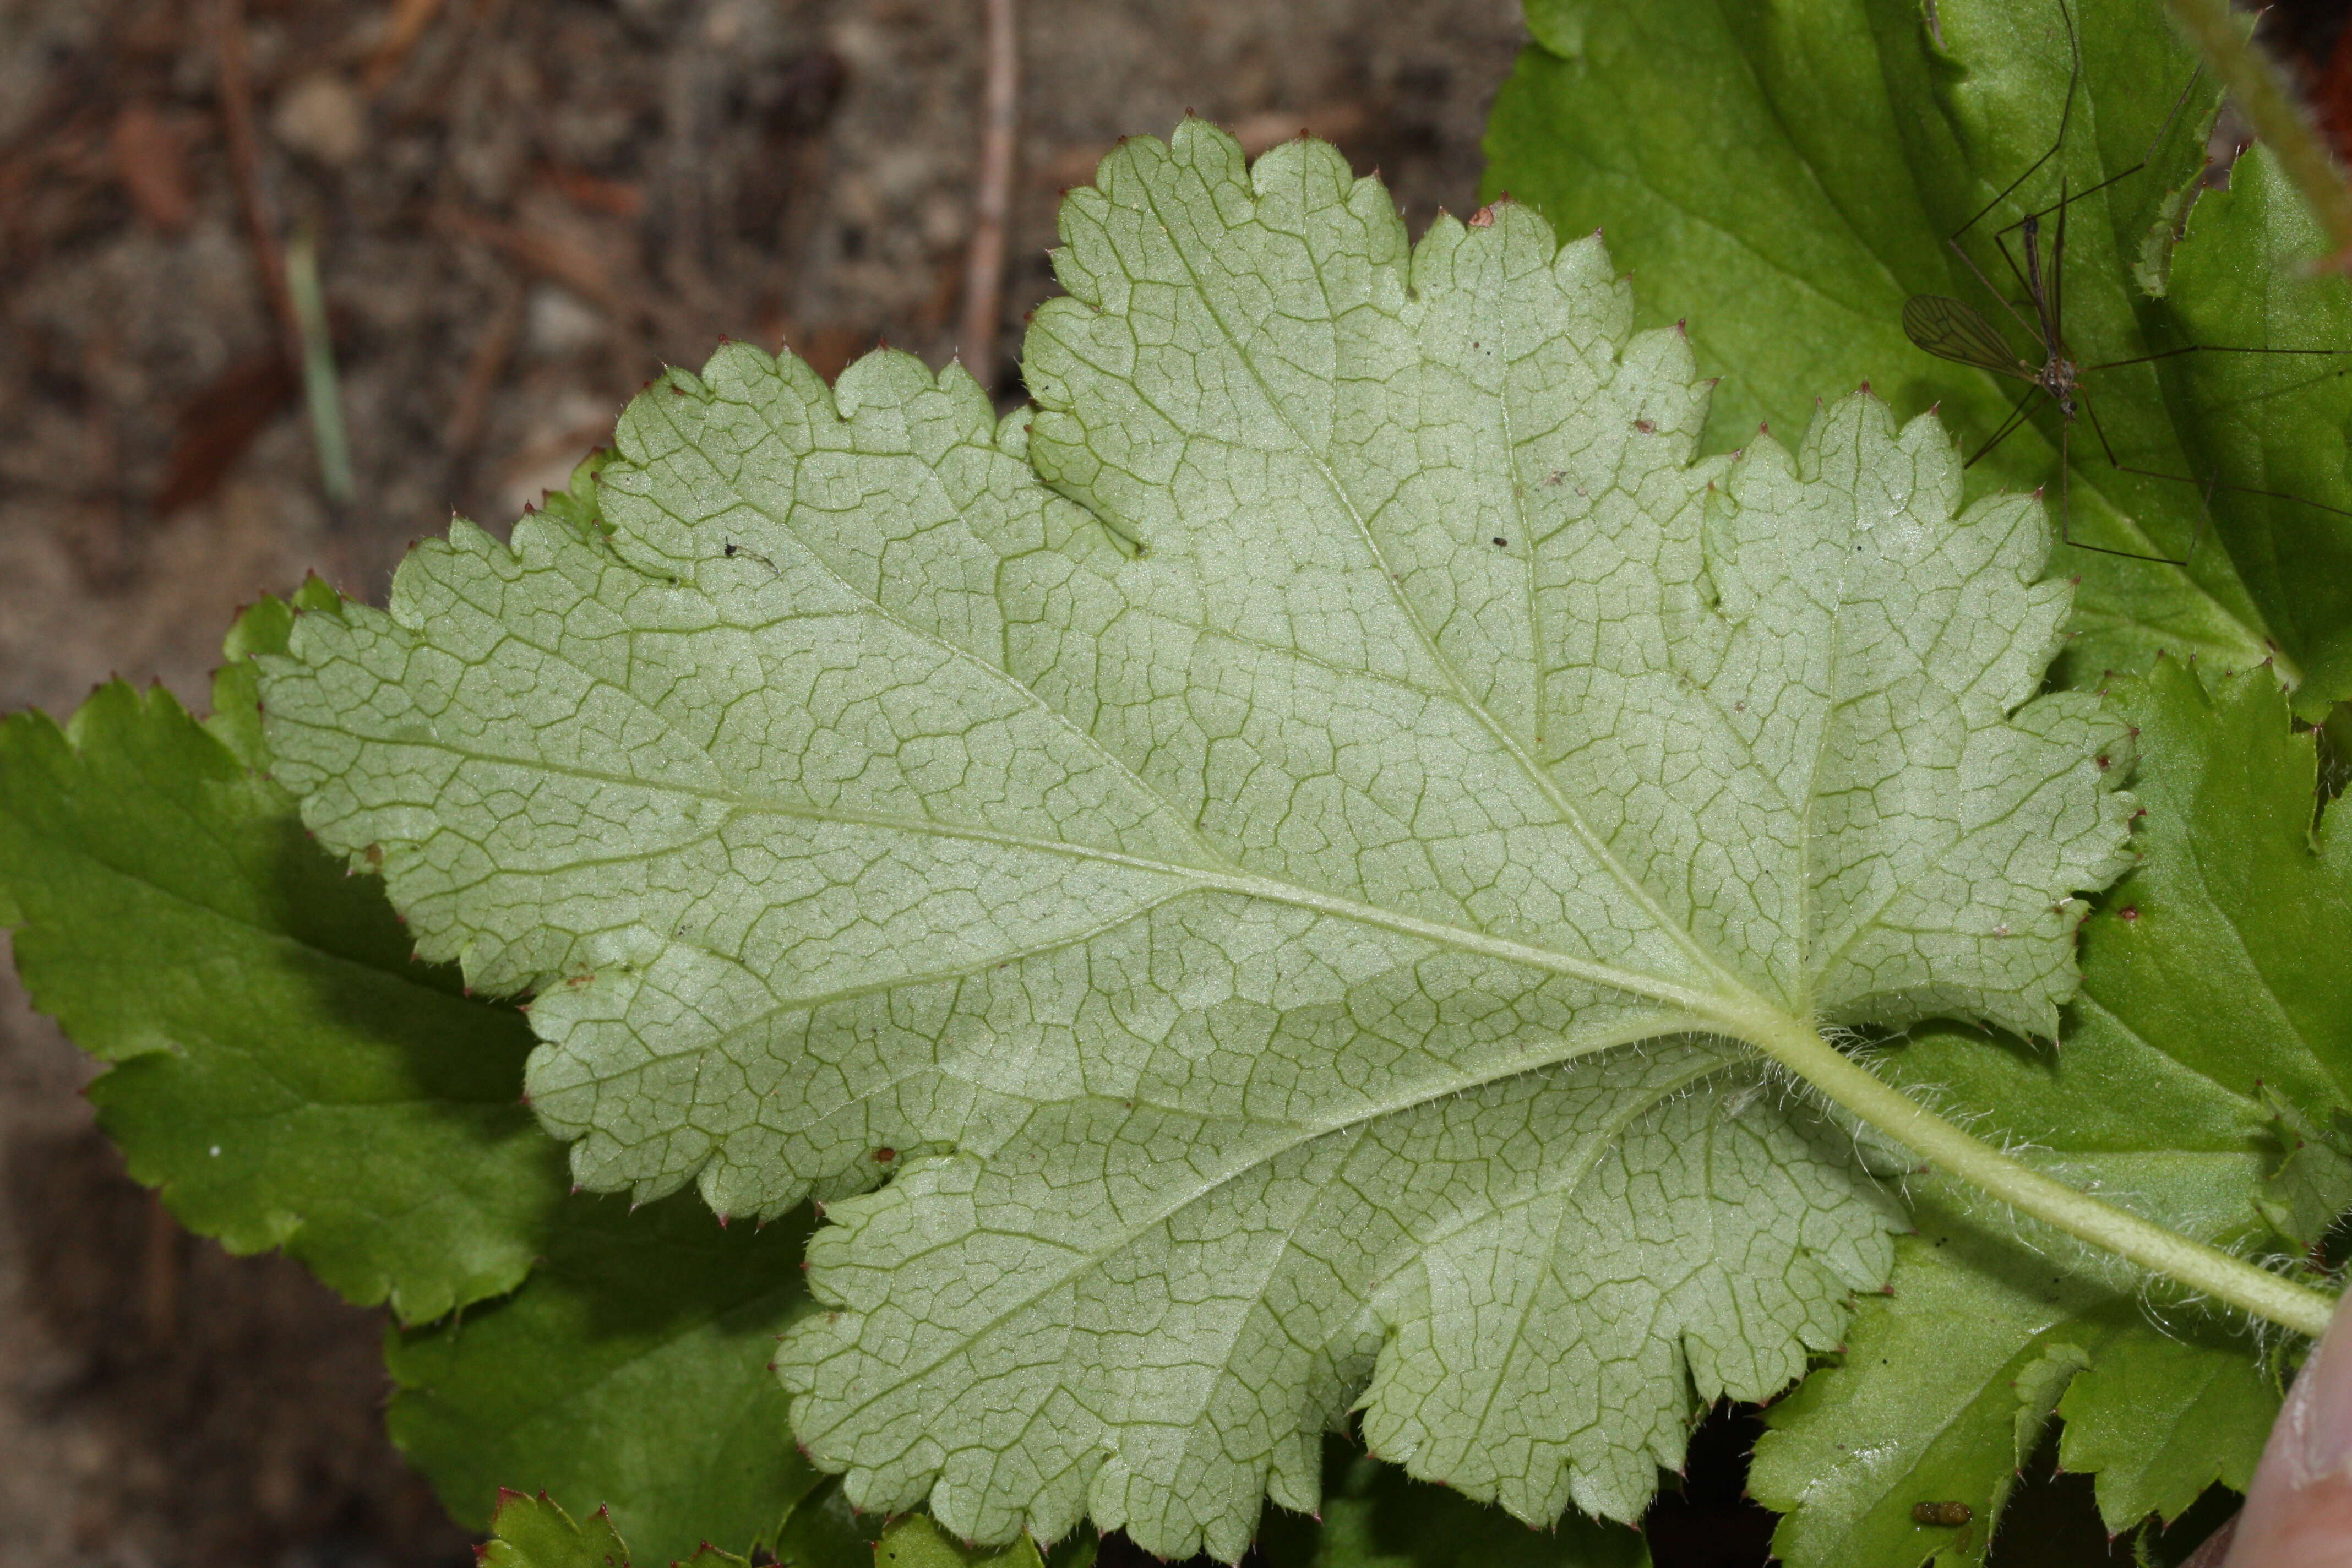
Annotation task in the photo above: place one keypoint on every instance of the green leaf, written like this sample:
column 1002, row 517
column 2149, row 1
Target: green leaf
column 1845, row 141
column 629, row 1373
column 2165, row 1418
column 2213, row 990
column 282, row 1071
column 290, row 1076
column 2214, row 1035
column 914, row 1541
column 1288, row 921
column 2313, row 1183
column 1374, row 1516
column 1946, row 1387
column 824, row 1531
column 533, row 1532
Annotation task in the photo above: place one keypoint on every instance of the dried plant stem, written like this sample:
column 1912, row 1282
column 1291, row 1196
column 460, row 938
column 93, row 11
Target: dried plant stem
column 2220, row 35
column 409, row 20
column 245, row 167
column 983, row 281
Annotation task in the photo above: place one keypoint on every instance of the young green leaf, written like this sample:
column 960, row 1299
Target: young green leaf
column 628, row 1373
column 1843, row 144
column 1291, row 921
column 283, row 1070
column 533, row 1532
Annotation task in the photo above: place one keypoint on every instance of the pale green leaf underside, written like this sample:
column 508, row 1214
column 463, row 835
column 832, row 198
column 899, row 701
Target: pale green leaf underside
column 1272, row 912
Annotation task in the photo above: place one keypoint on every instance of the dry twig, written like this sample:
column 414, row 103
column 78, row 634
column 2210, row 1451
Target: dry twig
column 492, row 351
column 409, row 20
column 245, row 166
column 983, row 280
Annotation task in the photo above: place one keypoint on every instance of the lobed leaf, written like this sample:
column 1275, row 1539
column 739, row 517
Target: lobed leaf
column 1287, row 921
column 1846, row 141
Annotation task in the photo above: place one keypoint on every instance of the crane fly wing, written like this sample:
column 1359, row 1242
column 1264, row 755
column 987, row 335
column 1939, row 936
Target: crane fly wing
column 1950, row 330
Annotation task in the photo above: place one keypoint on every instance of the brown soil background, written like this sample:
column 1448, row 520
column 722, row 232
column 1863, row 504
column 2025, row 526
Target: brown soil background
column 518, row 220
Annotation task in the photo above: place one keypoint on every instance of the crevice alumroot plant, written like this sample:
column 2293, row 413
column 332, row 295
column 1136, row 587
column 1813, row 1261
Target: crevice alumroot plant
column 1376, row 888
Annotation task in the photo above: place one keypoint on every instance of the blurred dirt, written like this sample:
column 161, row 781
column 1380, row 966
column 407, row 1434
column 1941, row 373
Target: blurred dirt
column 522, row 208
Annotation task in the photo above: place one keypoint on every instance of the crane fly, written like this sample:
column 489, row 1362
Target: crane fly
column 1955, row 331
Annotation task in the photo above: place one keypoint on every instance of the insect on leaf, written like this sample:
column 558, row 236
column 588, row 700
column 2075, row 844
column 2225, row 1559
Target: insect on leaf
column 1950, row 330
column 1281, row 900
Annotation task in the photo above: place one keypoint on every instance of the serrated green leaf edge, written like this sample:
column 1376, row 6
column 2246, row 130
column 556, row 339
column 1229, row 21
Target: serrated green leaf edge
column 280, row 1069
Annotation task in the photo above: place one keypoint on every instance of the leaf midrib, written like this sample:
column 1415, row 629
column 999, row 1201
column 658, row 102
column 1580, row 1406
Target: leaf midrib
column 1716, row 1007
column 1674, row 931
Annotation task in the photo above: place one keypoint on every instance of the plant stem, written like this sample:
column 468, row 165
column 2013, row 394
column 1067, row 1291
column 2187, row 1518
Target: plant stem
column 321, row 391
column 984, row 283
column 2220, row 35
column 2151, row 1246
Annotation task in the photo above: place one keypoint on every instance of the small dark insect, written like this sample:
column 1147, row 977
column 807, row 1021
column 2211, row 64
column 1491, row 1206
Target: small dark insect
column 1954, row 330
column 1945, row 1515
